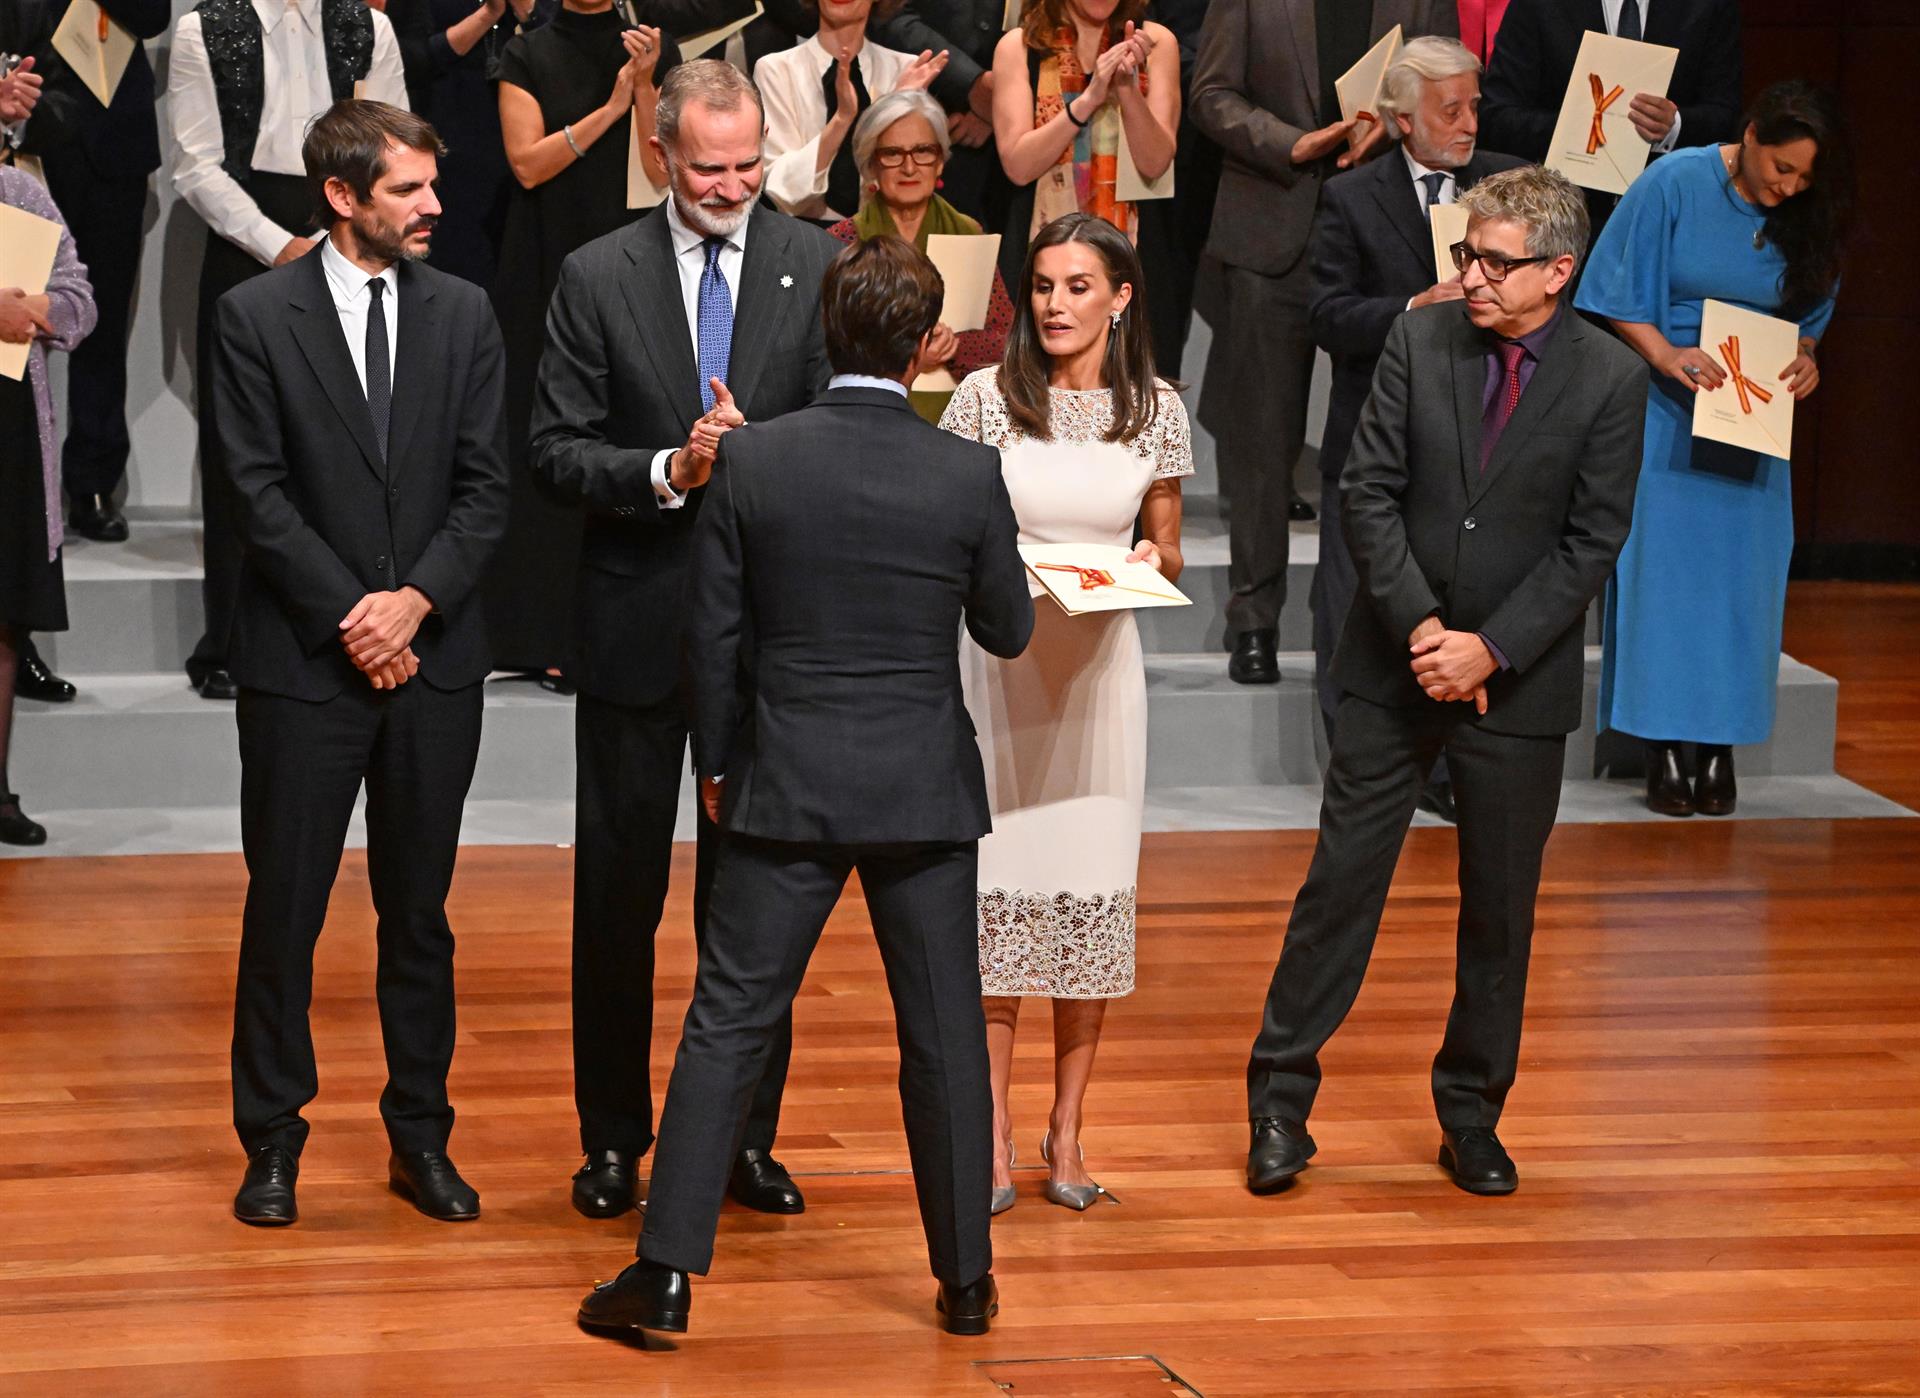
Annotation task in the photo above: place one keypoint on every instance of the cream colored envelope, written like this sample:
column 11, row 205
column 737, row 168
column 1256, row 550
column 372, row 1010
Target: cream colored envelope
column 1449, row 223
column 1130, row 185
column 1757, row 411
column 1359, row 87
column 1086, row 578
column 642, row 192
column 965, row 262
column 95, row 47
column 696, row 45
column 1594, row 143
column 28, row 246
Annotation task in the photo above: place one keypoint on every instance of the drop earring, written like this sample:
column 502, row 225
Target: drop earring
column 1116, row 320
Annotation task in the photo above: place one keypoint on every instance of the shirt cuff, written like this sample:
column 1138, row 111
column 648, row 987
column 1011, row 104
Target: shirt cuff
column 1493, row 651
column 662, row 490
column 1671, row 139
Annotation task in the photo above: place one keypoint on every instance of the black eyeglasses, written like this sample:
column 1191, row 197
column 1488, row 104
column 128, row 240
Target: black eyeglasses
column 1492, row 264
column 893, row 157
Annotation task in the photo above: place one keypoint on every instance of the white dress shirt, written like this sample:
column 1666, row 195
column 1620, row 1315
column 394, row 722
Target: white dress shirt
column 295, row 65
column 791, row 84
column 1611, row 9
column 352, row 300
column 866, row 381
column 690, row 261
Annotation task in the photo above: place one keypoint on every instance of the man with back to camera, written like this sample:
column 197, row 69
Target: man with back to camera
column 359, row 399
column 661, row 338
column 1487, row 493
column 1370, row 258
column 840, row 550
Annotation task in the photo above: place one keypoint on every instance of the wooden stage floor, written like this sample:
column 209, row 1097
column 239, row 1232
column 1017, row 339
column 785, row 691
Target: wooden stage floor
column 1717, row 1124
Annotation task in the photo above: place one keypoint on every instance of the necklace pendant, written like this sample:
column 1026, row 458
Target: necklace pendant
column 1759, row 239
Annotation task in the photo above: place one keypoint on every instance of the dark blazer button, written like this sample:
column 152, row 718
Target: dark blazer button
column 380, row 562
column 1469, row 521
column 393, row 491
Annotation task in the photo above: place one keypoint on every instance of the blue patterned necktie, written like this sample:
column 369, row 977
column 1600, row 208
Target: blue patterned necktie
column 1629, row 20
column 714, row 325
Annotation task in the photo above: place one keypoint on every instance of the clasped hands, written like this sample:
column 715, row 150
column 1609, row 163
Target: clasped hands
column 1451, row 666
column 378, row 634
column 692, row 465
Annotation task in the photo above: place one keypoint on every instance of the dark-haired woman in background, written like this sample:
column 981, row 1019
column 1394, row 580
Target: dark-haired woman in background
column 570, row 95
column 1693, row 616
column 1089, row 440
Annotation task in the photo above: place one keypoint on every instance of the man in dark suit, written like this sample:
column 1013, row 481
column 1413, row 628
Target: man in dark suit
column 359, row 394
column 1487, row 494
column 1539, row 40
column 840, row 551
column 1371, row 258
column 1263, row 88
column 660, row 338
column 97, row 160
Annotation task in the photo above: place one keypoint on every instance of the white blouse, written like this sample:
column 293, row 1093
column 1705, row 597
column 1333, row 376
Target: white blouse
column 791, row 84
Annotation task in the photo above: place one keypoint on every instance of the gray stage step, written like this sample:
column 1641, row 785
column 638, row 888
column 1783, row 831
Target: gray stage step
column 136, row 741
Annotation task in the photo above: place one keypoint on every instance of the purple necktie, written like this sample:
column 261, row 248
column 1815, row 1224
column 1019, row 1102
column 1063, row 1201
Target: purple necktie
column 1505, row 398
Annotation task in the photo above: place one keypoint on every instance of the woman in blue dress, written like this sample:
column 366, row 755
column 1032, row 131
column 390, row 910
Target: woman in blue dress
column 1693, row 615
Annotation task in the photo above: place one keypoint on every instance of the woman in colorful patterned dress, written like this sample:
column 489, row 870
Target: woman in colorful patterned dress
column 1089, row 440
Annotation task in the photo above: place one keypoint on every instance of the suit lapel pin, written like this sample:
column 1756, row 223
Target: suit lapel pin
column 786, row 281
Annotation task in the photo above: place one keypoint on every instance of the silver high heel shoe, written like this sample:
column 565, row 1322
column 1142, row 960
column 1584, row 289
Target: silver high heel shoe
column 1078, row 1197
column 1003, row 1196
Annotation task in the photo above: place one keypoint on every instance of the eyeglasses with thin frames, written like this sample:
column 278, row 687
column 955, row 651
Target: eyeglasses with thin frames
column 1492, row 265
column 893, row 157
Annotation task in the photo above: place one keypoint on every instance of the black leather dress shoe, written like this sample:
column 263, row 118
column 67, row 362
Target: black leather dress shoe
column 427, row 1178
column 558, row 684
column 1436, row 798
column 218, row 684
column 1280, row 1150
column 1477, row 1161
column 646, row 1296
column 1253, row 659
column 761, row 1182
column 1667, row 791
column 1299, row 511
column 33, row 680
column 967, row 1310
column 1714, row 792
column 16, row 826
column 96, row 517
column 266, row 1194
column 607, row 1185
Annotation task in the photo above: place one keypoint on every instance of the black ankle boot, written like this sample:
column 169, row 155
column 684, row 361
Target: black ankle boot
column 1667, row 791
column 15, row 827
column 1714, row 792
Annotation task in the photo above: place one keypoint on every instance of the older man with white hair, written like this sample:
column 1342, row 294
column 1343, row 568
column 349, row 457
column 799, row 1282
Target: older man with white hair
column 661, row 338
column 1370, row 258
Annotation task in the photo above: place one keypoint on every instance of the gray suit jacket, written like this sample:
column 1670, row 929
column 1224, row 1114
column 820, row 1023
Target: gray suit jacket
column 1256, row 90
column 1515, row 552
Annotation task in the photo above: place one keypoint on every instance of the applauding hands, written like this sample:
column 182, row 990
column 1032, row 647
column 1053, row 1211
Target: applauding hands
column 19, row 92
column 692, row 465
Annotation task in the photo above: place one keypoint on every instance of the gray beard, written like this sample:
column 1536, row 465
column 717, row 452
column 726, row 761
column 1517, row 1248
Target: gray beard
column 710, row 223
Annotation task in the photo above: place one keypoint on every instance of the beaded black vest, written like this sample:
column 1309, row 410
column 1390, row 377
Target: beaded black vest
column 231, row 31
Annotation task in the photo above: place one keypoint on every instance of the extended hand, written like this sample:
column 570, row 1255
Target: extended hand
column 923, row 70
column 710, row 788
column 692, row 466
column 22, row 316
column 1454, row 665
column 382, row 625
column 1314, row 144
column 1448, row 290
column 1370, row 133
column 1652, row 116
column 1147, row 552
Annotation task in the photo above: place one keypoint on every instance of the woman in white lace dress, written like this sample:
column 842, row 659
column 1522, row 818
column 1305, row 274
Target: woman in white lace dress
column 1090, row 440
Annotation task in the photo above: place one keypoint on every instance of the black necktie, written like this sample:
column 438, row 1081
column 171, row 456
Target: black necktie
column 843, row 176
column 1629, row 20
column 1433, row 180
column 379, row 372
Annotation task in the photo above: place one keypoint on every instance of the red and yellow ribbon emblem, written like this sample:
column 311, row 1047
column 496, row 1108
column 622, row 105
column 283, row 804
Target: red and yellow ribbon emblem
column 1744, row 386
column 1093, row 579
column 1602, row 99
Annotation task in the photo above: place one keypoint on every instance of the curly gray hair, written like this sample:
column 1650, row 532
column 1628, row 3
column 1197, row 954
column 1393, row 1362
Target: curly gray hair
column 1544, row 202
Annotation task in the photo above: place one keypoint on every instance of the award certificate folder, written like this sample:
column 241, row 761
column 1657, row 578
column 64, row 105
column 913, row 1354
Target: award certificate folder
column 1129, row 185
column 1449, row 223
column 965, row 262
column 1753, row 408
column 695, row 45
column 1594, row 143
column 1086, row 578
column 1359, row 87
column 28, row 246
column 96, row 48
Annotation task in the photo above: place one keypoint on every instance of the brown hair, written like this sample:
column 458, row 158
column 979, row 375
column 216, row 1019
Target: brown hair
column 877, row 302
column 349, row 143
column 1043, row 20
column 1128, row 366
